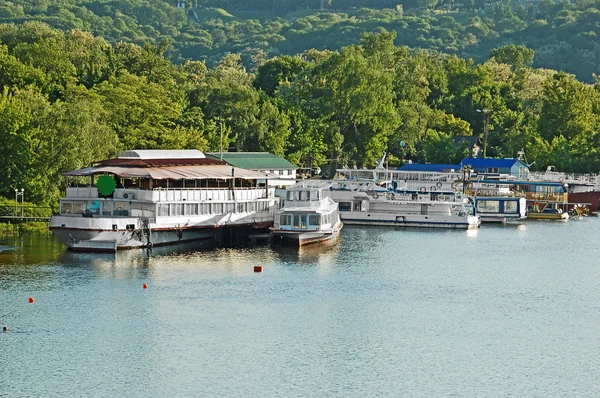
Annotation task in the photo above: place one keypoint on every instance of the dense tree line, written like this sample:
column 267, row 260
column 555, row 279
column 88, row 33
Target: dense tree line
column 563, row 34
column 70, row 98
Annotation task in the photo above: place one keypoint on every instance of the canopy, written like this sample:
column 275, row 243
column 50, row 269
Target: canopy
column 223, row 172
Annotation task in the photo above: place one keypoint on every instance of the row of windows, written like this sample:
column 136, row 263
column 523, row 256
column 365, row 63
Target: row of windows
column 302, row 195
column 194, row 209
column 496, row 206
column 306, row 220
column 278, row 172
column 300, row 220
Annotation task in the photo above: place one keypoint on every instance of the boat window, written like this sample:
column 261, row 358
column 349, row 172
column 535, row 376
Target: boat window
column 66, row 208
column 488, row 206
column 300, row 221
column 303, row 195
column 163, row 210
column 345, row 206
column 93, row 206
column 285, row 219
column 176, row 209
column 217, row 208
column 290, row 195
column 357, row 206
column 314, row 220
column 511, row 206
column 190, row 209
column 107, row 207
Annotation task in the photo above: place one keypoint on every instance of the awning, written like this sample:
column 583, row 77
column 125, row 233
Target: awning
column 221, row 172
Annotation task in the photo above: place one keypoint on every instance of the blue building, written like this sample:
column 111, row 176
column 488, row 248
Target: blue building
column 514, row 167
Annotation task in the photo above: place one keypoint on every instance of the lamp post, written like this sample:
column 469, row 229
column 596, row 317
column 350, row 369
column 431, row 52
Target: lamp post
column 487, row 113
column 20, row 193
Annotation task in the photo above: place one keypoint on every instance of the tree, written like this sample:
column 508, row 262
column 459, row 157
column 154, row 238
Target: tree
column 516, row 56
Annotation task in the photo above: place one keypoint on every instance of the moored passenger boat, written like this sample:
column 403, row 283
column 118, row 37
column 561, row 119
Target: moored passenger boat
column 373, row 204
column 500, row 209
column 308, row 215
column 146, row 198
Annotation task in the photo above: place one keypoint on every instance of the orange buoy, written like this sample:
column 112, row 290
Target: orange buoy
column 145, row 286
column 258, row 268
column 31, row 300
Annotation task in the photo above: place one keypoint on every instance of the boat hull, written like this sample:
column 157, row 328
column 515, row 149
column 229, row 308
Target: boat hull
column 88, row 235
column 300, row 238
column 421, row 221
column 500, row 218
column 548, row 216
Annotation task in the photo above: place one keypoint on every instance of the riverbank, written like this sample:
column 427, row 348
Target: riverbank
column 27, row 228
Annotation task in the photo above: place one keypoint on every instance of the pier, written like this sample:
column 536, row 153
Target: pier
column 23, row 214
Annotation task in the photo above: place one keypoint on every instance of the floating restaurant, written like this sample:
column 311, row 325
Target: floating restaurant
column 146, row 198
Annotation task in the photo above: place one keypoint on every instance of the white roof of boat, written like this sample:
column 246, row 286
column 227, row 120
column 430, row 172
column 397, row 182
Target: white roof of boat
column 161, row 154
column 224, row 172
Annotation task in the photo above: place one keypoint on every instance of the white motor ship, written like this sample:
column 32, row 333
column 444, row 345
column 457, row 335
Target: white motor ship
column 384, row 204
column 147, row 198
column 308, row 215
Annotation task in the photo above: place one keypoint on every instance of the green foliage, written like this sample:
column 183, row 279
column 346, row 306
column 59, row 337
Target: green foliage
column 562, row 34
column 70, row 98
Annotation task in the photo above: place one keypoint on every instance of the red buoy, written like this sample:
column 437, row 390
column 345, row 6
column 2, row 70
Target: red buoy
column 31, row 300
column 145, row 286
column 258, row 268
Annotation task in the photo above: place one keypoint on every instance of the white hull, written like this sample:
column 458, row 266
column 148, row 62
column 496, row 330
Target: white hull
column 305, row 238
column 110, row 234
column 500, row 218
column 85, row 240
column 414, row 220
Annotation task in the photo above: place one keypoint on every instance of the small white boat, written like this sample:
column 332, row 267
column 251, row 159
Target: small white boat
column 308, row 215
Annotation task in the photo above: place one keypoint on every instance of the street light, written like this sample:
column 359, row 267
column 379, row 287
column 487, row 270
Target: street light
column 486, row 122
column 20, row 193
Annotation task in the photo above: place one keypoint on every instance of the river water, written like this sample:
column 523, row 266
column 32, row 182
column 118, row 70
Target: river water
column 502, row 311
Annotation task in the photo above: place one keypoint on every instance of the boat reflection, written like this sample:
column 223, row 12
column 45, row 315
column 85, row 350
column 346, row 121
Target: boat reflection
column 323, row 253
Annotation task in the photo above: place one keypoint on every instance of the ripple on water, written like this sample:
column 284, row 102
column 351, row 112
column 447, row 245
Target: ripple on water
column 387, row 312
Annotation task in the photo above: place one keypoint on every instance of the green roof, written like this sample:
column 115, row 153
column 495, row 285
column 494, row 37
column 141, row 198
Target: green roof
column 254, row 160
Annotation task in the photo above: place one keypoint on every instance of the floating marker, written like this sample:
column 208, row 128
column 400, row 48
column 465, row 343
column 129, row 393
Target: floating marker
column 258, row 268
column 5, row 328
column 31, row 300
column 145, row 286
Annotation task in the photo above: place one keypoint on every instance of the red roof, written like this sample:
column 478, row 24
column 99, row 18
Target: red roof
column 161, row 162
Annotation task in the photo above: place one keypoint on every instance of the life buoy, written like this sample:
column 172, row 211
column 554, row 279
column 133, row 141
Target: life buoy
column 439, row 185
column 423, row 189
column 454, row 185
column 432, row 188
column 375, row 195
column 125, row 195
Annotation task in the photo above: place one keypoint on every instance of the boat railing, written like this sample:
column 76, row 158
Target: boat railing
column 544, row 197
column 176, row 194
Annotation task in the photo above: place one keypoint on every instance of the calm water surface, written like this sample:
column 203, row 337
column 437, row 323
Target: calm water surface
column 503, row 311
